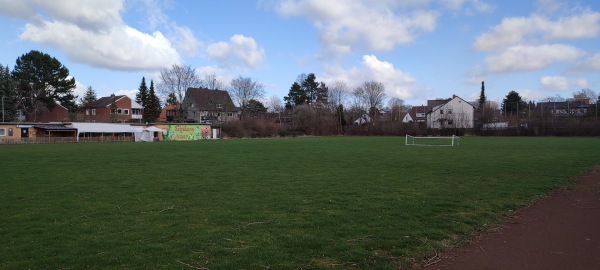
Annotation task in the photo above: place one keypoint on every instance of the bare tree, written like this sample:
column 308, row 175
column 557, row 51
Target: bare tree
column 275, row 105
column 244, row 89
column 371, row 95
column 211, row 82
column 338, row 93
column 397, row 106
column 586, row 93
column 176, row 80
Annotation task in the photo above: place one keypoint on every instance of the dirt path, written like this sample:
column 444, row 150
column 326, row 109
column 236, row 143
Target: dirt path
column 558, row 232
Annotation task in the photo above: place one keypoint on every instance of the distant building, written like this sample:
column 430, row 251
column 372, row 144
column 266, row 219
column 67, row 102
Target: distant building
column 118, row 109
column 453, row 113
column 577, row 107
column 207, row 106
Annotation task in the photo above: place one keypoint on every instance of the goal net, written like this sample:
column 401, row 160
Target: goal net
column 432, row 141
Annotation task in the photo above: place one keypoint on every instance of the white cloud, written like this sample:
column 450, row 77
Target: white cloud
column 94, row 33
column 79, row 90
column 562, row 84
column 90, row 15
column 238, row 49
column 119, row 48
column 554, row 83
column 397, row 83
column 519, row 30
column 347, row 25
column 223, row 75
column 528, row 94
column 589, row 65
column 130, row 93
column 526, row 58
column 185, row 40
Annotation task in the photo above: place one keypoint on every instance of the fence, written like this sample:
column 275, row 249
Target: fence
column 67, row 140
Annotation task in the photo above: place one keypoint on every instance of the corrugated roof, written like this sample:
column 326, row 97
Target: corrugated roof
column 48, row 127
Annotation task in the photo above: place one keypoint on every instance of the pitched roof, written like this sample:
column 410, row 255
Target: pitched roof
column 207, row 100
column 418, row 109
column 163, row 112
column 104, row 101
column 446, row 102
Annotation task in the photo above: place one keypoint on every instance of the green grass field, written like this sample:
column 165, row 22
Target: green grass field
column 305, row 203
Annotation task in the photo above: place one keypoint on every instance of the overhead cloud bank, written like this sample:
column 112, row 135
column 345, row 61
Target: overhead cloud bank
column 397, row 83
column 92, row 32
column 372, row 25
column 239, row 50
column 530, row 43
column 524, row 58
column 561, row 84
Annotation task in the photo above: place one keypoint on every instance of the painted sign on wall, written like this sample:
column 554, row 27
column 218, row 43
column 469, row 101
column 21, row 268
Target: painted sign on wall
column 187, row 132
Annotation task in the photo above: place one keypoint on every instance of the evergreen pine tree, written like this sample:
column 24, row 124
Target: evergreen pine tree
column 88, row 98
column 151, row 106
column 142, row 95
column 8, row 94
column 482, row 98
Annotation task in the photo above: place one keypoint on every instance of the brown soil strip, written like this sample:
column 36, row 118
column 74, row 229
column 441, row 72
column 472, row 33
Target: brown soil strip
column 561, row 231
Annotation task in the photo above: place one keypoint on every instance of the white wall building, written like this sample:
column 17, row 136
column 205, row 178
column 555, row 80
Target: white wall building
column 455, row 113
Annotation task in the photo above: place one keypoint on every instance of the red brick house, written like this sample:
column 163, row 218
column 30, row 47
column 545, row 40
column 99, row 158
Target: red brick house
column 168, row 114
column 112, row 109
column 57, row 113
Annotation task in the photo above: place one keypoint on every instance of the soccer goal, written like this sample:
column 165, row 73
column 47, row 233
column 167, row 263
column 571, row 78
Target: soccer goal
column 432, row 141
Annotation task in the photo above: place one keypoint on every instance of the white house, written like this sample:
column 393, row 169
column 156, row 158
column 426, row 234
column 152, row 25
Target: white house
column 407, row 119
column 454, row 113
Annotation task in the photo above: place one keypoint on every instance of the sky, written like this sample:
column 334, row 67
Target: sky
column 418, row 49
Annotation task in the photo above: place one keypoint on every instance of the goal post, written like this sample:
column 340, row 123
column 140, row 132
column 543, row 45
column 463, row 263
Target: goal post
column 432, row 141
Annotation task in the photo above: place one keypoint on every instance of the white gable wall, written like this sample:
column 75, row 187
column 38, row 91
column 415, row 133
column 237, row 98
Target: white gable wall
column 455, row 113
column 407, row 119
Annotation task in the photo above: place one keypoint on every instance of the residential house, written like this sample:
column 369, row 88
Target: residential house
column 209, row 106
column 416, row 114
column 112, row 109
column 168, row 114
column 57, row 113
column 575, row 107
column 453, row 113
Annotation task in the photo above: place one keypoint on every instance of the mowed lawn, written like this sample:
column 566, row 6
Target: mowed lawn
column 302, row 203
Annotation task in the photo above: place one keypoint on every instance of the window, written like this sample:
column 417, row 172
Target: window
column 441, row 111
column 449, row 111
column 219, row 114
column 450, row 122
column 93, row 111
column 126, row 111
column 219, row 106
column 10, row 132
column 420, row 114
column 2, row 132
column 87, row 112
column 137, row 111
column 119, row 111
column 230, row 114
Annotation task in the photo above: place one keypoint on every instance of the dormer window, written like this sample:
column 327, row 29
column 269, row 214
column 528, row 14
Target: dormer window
column 219, row 106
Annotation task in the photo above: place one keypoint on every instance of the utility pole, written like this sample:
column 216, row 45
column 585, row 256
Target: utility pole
column 3, row 109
